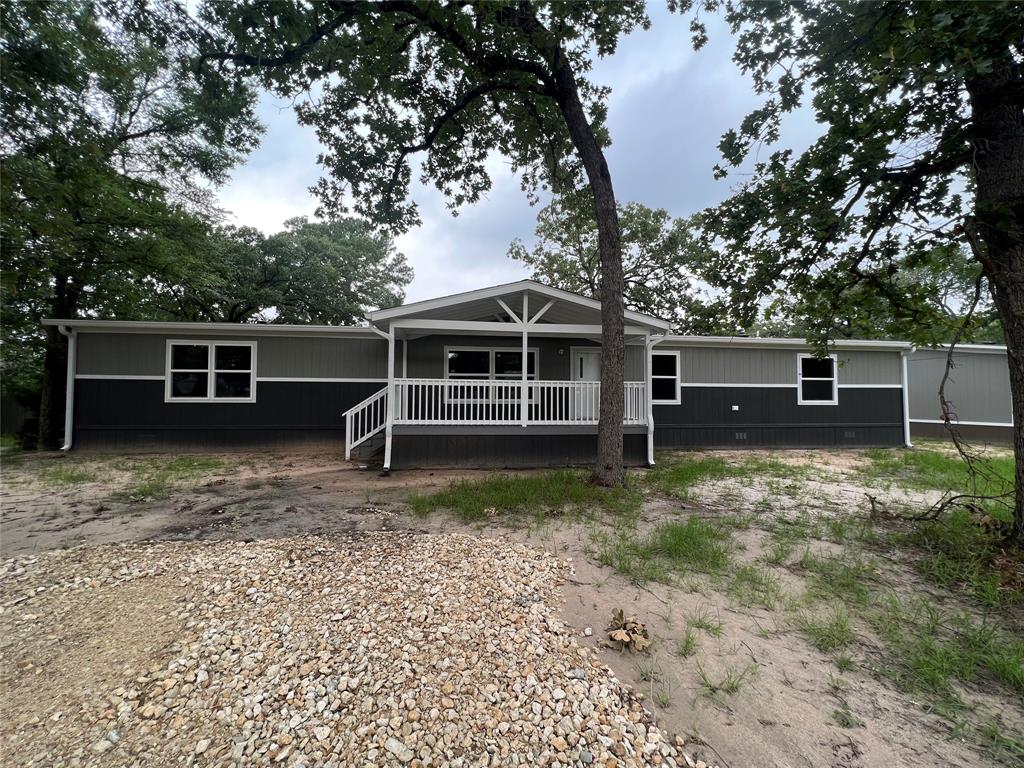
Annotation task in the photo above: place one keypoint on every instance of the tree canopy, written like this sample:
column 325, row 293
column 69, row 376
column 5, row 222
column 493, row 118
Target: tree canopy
column 326, row 273
column 110, row 145
column 659, row 256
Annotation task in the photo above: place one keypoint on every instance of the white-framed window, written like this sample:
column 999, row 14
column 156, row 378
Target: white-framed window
column 504, row 364
column 665, row 378
column 489, row 363
column 210, row 371
column 817, row 380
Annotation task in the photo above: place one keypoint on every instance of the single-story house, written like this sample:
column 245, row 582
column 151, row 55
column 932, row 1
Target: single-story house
column 503, row 376
column 978, row 391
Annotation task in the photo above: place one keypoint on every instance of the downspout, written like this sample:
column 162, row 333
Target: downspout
column 649, row 394
column 69, row 387
column 904, row 386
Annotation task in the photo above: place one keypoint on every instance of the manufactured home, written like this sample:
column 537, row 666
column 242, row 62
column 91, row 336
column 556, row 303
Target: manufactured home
column 977, row 390
column 506, row 376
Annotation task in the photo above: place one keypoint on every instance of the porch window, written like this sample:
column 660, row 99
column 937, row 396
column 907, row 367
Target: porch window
column 665, row 378
column 816, row 380
column 484, row 363
column 205, row 371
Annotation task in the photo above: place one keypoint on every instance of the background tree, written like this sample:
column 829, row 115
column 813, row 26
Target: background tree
column 659, row 256
column 108, row 140
column 312, row 272
column 453, row 82
column 940, row 290
column 922, row 105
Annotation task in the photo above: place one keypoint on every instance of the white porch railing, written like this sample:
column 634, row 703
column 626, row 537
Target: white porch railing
column 475, row 401
column 365, row 419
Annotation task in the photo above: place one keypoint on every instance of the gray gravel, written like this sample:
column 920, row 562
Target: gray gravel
column 381, row 650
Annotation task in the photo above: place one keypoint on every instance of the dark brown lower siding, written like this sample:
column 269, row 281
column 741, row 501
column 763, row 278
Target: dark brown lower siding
column 507, row 450
column 117, row 413
column 971, row 432
column 771, row 417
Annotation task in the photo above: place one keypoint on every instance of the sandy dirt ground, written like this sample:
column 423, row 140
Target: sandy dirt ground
column 782, row 717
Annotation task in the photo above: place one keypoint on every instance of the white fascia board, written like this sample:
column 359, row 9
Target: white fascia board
column 220, row 329
column 984, row 349
column 776, row 343
column 500, row 290
column 512, row 329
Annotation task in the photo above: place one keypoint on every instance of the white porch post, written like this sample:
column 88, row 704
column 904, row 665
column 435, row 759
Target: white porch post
column 524, row 406
column 390, row 419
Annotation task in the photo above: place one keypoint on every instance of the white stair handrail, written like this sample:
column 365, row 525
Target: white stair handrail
column 364, row 420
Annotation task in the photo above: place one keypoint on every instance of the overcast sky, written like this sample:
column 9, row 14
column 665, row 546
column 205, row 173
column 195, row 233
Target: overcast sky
column 668, row 109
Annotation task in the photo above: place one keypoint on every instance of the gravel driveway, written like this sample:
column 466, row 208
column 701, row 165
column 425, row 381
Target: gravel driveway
column 376, row 649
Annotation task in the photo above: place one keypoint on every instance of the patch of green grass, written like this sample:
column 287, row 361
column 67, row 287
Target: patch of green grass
column 671, row 548
column 689, row 644
column 63, row 475
column 549, row 493
column 846, row 719
column 157, row 478
column 828, row 633
column 675, row 474
column 925, row 469
column 703, row 620
column 958, row 554
column 730, row 683
column 844, row 662
column 1002, row 744
column 847, row 576
column 755, row 585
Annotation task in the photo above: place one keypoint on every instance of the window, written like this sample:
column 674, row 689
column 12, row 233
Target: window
column 478, row 363
column 204, row 371
column 665, row 377
column 816, row 380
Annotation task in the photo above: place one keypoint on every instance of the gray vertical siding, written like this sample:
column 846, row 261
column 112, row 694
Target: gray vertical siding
column 978, row 386
column 144, row 354
column 751, row 365
column 426, row 358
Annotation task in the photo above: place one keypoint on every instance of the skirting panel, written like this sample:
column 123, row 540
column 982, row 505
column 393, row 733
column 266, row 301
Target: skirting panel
column 970, row 432
column 132, row 414
column 734, row 417
column 507, row 451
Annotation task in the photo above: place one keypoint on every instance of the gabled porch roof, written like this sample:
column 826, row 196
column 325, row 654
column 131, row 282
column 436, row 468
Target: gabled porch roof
column 499, row 309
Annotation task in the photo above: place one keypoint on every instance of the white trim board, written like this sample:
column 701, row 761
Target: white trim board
column 116, row 377
column 317, row 380
column 728, row 384
column 964, row 423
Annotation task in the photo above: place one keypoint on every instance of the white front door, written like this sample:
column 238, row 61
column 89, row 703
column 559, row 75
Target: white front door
column 586, row 366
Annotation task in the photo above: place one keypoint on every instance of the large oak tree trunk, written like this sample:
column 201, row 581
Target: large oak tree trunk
column 609, row 469
column 997, row 230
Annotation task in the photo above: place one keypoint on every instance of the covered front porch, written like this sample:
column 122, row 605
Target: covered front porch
column 514, row 365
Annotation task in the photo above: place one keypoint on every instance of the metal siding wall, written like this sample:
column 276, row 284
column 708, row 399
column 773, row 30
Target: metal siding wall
column 144, row 354
column 750, row 365
column 323, row 358
column 771, row 416
column 426, row 354
column 978, row 386
column 862, row 367
column 119, row 412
